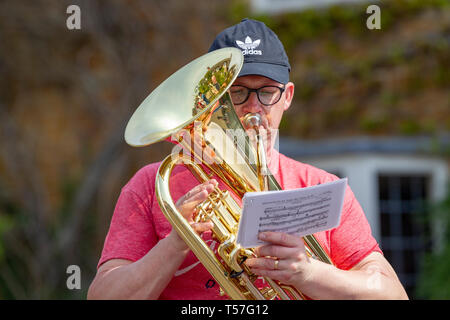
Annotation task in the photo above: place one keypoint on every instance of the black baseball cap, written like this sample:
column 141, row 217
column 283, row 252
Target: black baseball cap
column 264, row 53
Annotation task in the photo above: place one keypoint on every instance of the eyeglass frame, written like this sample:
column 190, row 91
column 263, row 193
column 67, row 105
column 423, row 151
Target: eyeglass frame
column 250, row 90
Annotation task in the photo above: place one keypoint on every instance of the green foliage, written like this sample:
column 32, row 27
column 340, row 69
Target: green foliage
column 410, row 127
column 372, row 124
column 434, row 282
column 294, row 27
column 237, row 10
column 332, row 53
column 6, row 224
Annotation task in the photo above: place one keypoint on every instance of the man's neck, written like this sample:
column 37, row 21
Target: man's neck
column 273, row 160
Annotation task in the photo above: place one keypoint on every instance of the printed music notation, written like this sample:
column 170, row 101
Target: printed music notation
column 300, row 212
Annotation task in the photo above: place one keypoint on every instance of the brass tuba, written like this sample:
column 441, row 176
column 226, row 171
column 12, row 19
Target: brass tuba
column 193, row 109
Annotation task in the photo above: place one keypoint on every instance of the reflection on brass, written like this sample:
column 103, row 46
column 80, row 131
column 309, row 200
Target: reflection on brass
column 193, row 108
column 213, row 84
column 253, row 121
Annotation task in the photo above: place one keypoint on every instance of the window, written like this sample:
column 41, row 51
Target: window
column 403, row 241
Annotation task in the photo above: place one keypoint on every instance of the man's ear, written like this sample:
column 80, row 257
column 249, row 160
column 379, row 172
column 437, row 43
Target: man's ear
column 289, row 95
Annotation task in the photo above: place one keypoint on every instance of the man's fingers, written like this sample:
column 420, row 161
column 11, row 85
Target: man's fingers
column 280, row 252
column 188, row 207
column 187, row 203
column 201, row 227
column 196, row 189
column 263, row 263
column 281, row 238
column 208, row 186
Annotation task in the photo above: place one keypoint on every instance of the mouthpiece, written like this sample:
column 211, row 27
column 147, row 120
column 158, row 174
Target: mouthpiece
column 252, row 120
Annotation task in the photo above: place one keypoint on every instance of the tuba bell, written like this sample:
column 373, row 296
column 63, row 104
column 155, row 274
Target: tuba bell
column 193, row 109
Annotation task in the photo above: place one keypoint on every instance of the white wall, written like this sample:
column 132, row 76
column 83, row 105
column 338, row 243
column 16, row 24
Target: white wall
column 362, row 171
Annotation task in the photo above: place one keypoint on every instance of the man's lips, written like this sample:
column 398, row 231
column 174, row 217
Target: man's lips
column 262, row 130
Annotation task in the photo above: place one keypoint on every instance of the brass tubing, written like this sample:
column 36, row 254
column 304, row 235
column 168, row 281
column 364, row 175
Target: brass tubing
column 184, row 229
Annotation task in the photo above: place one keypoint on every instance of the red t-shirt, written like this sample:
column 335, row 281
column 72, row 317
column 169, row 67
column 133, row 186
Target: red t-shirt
column 138, row 224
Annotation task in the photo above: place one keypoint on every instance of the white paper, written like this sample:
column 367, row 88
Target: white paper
column 299, row 212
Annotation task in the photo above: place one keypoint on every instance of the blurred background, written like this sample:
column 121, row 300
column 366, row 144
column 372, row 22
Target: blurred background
column 371, row 105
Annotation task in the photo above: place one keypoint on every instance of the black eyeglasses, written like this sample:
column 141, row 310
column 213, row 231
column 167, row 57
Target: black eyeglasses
column 267, row 95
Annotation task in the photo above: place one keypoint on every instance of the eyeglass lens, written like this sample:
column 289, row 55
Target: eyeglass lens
column 267, row 95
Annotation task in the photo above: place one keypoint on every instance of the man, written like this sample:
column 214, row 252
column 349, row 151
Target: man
column 143, row 258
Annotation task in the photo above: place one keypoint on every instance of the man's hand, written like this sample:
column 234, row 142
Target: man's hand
column 284, row 259
column 186, row 205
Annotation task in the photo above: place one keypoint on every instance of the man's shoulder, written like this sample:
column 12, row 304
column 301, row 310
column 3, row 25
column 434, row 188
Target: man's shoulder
column 143, row 178
column 296, row 166
column 149, row 169
column 307, row 173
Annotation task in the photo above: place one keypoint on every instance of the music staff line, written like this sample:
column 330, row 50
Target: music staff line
column 303, row 226
column 321, row 214
column 318, row 202
column 304, row 212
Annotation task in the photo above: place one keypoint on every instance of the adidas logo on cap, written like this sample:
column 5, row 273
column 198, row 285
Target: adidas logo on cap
column 263, row 51
column 249, row 46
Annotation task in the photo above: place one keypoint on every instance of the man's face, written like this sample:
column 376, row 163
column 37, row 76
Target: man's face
column 270, row 115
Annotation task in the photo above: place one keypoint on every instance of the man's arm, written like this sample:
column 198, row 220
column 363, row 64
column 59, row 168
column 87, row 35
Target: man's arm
column 143, row 279
column 372, row 278
column 149, row 276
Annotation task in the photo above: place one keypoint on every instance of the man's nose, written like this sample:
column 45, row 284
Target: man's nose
column 252, row 105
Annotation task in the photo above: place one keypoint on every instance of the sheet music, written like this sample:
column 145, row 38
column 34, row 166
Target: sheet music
column 300, row 212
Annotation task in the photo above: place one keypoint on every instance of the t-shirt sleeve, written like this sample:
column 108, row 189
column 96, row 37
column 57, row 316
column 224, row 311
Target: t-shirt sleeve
column 131, row 233
column 352, row 240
